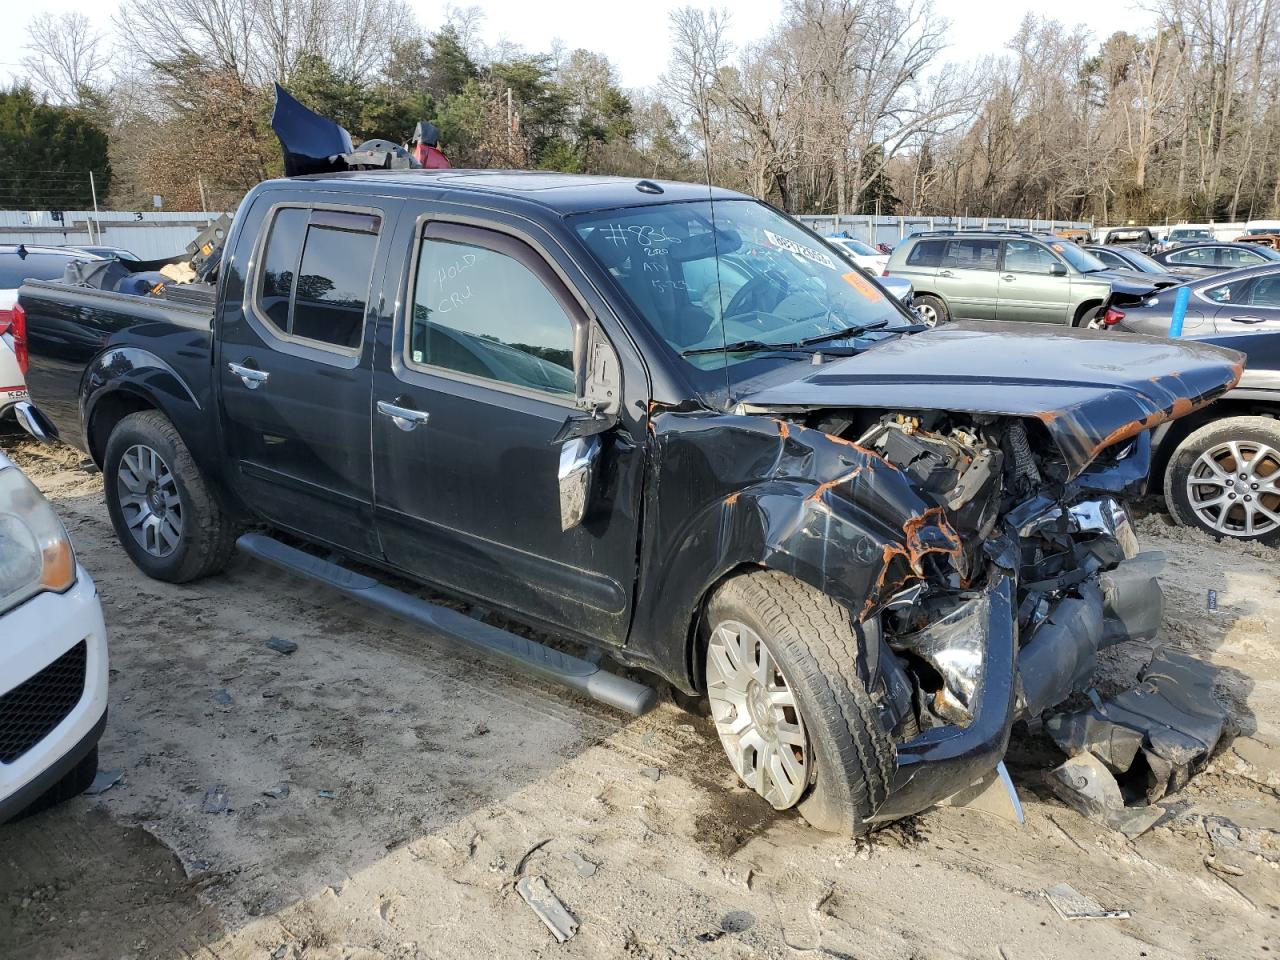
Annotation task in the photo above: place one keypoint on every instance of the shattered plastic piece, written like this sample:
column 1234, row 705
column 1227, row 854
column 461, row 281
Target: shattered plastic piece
column 1072, row 905
column 280, row 645
column 221, row 697
column 535, row 892
column 215, row 800
column 327, row 795
column 586, row 868
column 1212, row 602
column 653, row 773
column 278, row 792
column 1085, row 784
column 993, row 794
column 1170, row 719
column 103, row 781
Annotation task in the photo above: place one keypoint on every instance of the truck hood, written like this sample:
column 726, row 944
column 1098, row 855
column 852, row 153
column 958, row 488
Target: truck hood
column 1090, row 389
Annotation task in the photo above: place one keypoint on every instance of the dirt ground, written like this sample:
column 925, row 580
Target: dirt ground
column 421, row 779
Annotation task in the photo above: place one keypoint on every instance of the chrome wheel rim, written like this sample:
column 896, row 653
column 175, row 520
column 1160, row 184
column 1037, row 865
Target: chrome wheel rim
column 1095, row 321
column 1233, row 490
column 927, row 314
column 148, row 495
column 756, row 715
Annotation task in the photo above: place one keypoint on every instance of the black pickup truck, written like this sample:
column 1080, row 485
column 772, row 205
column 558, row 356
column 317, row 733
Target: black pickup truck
column 663, row 421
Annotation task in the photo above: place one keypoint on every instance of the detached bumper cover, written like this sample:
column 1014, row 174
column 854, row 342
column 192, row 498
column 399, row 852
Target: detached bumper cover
column 943, row 760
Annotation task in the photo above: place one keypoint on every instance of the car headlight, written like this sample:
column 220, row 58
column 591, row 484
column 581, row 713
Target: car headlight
column 35, row 551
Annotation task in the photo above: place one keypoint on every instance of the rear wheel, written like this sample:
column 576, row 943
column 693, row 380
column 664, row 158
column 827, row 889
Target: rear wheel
column 931, row 310
column 1225, row 479
column 1090, row 319
column 164, row 513
column 790, row 706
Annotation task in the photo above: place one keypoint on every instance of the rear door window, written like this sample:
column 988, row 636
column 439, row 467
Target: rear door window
column 1195, row 257
column 970, row 254
column 316, row 272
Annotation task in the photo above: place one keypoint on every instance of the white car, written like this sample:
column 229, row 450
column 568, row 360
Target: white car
column 863, row 254
column 53, row 656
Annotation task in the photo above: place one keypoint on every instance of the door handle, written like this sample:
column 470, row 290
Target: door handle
column 252, row 378
column 1008, row 276
column 1248, row 319
column 945, row 273
column 403, row 417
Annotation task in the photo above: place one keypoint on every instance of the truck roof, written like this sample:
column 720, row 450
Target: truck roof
column 563, row 193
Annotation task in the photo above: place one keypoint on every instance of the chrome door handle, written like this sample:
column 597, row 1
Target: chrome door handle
column 403, row 417
column 945, row 273
column 252, row 378
column 1248, row 319
column 1008, row 276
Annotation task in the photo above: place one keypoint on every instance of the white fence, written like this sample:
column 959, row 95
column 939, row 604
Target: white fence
column 873, row 229
column 149, row 236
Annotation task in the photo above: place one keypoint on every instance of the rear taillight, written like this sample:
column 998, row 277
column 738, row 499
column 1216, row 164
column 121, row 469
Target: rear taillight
column 1112, row 317
column 6, row 321
column 18, row 325
column 884, row 272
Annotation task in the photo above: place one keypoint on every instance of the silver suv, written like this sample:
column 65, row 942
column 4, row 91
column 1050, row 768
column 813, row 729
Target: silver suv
column 1009, row 275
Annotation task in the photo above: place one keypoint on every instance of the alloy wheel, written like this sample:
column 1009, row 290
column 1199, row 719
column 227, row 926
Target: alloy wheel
column 1232, row 487
column 149, row 501
column 756, row 715
column 928, row 316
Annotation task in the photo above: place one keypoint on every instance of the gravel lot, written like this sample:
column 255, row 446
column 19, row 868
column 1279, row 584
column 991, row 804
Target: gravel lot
column 419, row 778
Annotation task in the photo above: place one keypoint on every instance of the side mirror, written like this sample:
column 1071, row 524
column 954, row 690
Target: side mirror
column 1058, row 270
column 577, row 478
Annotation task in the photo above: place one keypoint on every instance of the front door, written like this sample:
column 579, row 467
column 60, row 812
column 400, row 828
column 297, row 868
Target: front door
column 1030, row 290
column 294, row 365
column 1248, row 304
column 469, row 395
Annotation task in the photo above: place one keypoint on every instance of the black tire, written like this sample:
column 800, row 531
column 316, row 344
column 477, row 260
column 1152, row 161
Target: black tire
column 207, row 537
column 1085, row 317
column 819, row 646
column 73, row 783
column 1251, row 433
column 926, row 303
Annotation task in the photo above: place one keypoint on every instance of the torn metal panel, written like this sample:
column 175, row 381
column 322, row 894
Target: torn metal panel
column 1154, row 735
column 535, row 892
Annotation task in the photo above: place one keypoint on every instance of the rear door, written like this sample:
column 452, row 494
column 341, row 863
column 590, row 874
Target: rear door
column 294, row 365
column 470, row 392
column 1029, row 289
column 968, row 278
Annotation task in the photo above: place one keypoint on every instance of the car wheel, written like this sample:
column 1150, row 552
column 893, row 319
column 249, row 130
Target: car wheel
column 1225, row 479
column 73, row 783
column 790, row 706
column 1091, row 319
column 164, row 513
column 931, row 310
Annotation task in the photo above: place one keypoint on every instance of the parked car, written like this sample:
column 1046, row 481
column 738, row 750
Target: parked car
column 118, row 253
column 19, row 262
column 1130, row 258
column 863, row 254
column 1180, row 235
column 53, row 656
column 1269, row 240
column 1011, row 275
column 1215, row 257
column 1075, row 235
column 1219, row 468
column 1138, row 238
column 854, row 538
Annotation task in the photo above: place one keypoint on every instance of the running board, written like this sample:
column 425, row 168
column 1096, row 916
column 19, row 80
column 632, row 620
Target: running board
column 574, row 672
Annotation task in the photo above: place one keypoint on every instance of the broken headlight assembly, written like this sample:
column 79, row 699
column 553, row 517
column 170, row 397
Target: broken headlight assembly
column 35, row 551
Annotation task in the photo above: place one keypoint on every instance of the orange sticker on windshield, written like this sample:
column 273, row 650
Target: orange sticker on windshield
column 864, row 286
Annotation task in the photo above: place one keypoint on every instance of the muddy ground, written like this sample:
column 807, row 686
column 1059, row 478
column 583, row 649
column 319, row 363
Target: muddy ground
column 420, row 778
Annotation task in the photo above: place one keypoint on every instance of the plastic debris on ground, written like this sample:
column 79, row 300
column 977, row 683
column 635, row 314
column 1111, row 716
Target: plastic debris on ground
column 1133, row 750
column 215, row 800
column 535, row 892
column 1073, row 905
column 103, row 781
column 280, row 645
column 278, row 792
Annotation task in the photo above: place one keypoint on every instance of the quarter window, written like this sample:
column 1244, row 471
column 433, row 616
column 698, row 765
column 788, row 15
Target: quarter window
column 316, row 272
column 926, row 253
column 1232, row 257
column 481, row 312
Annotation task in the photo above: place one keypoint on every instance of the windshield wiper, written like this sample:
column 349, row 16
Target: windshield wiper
column 740, row 346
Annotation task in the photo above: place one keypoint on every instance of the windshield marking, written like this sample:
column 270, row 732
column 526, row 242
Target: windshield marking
column 791, row 246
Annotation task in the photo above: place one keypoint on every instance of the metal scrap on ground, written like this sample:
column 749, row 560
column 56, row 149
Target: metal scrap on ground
column 535, row 892
column 1073, row 905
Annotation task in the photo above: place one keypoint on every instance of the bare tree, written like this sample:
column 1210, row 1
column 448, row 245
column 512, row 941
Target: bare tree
column 699, row 50
column 68, row 56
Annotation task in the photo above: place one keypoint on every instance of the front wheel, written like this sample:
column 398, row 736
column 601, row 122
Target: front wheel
column 1225, row 479
column 790, row 706
column 164, row 513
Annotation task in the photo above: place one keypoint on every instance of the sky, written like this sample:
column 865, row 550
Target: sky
column 636, row 42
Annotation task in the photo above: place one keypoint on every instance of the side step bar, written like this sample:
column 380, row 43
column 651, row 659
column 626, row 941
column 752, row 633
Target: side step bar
column 574, row 672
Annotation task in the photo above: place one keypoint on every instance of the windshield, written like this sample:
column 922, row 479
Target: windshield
column 1082, row 260
column 858, row 248
column 754, row 283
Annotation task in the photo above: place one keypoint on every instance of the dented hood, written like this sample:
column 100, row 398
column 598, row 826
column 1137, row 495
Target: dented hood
column 1090, row 389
